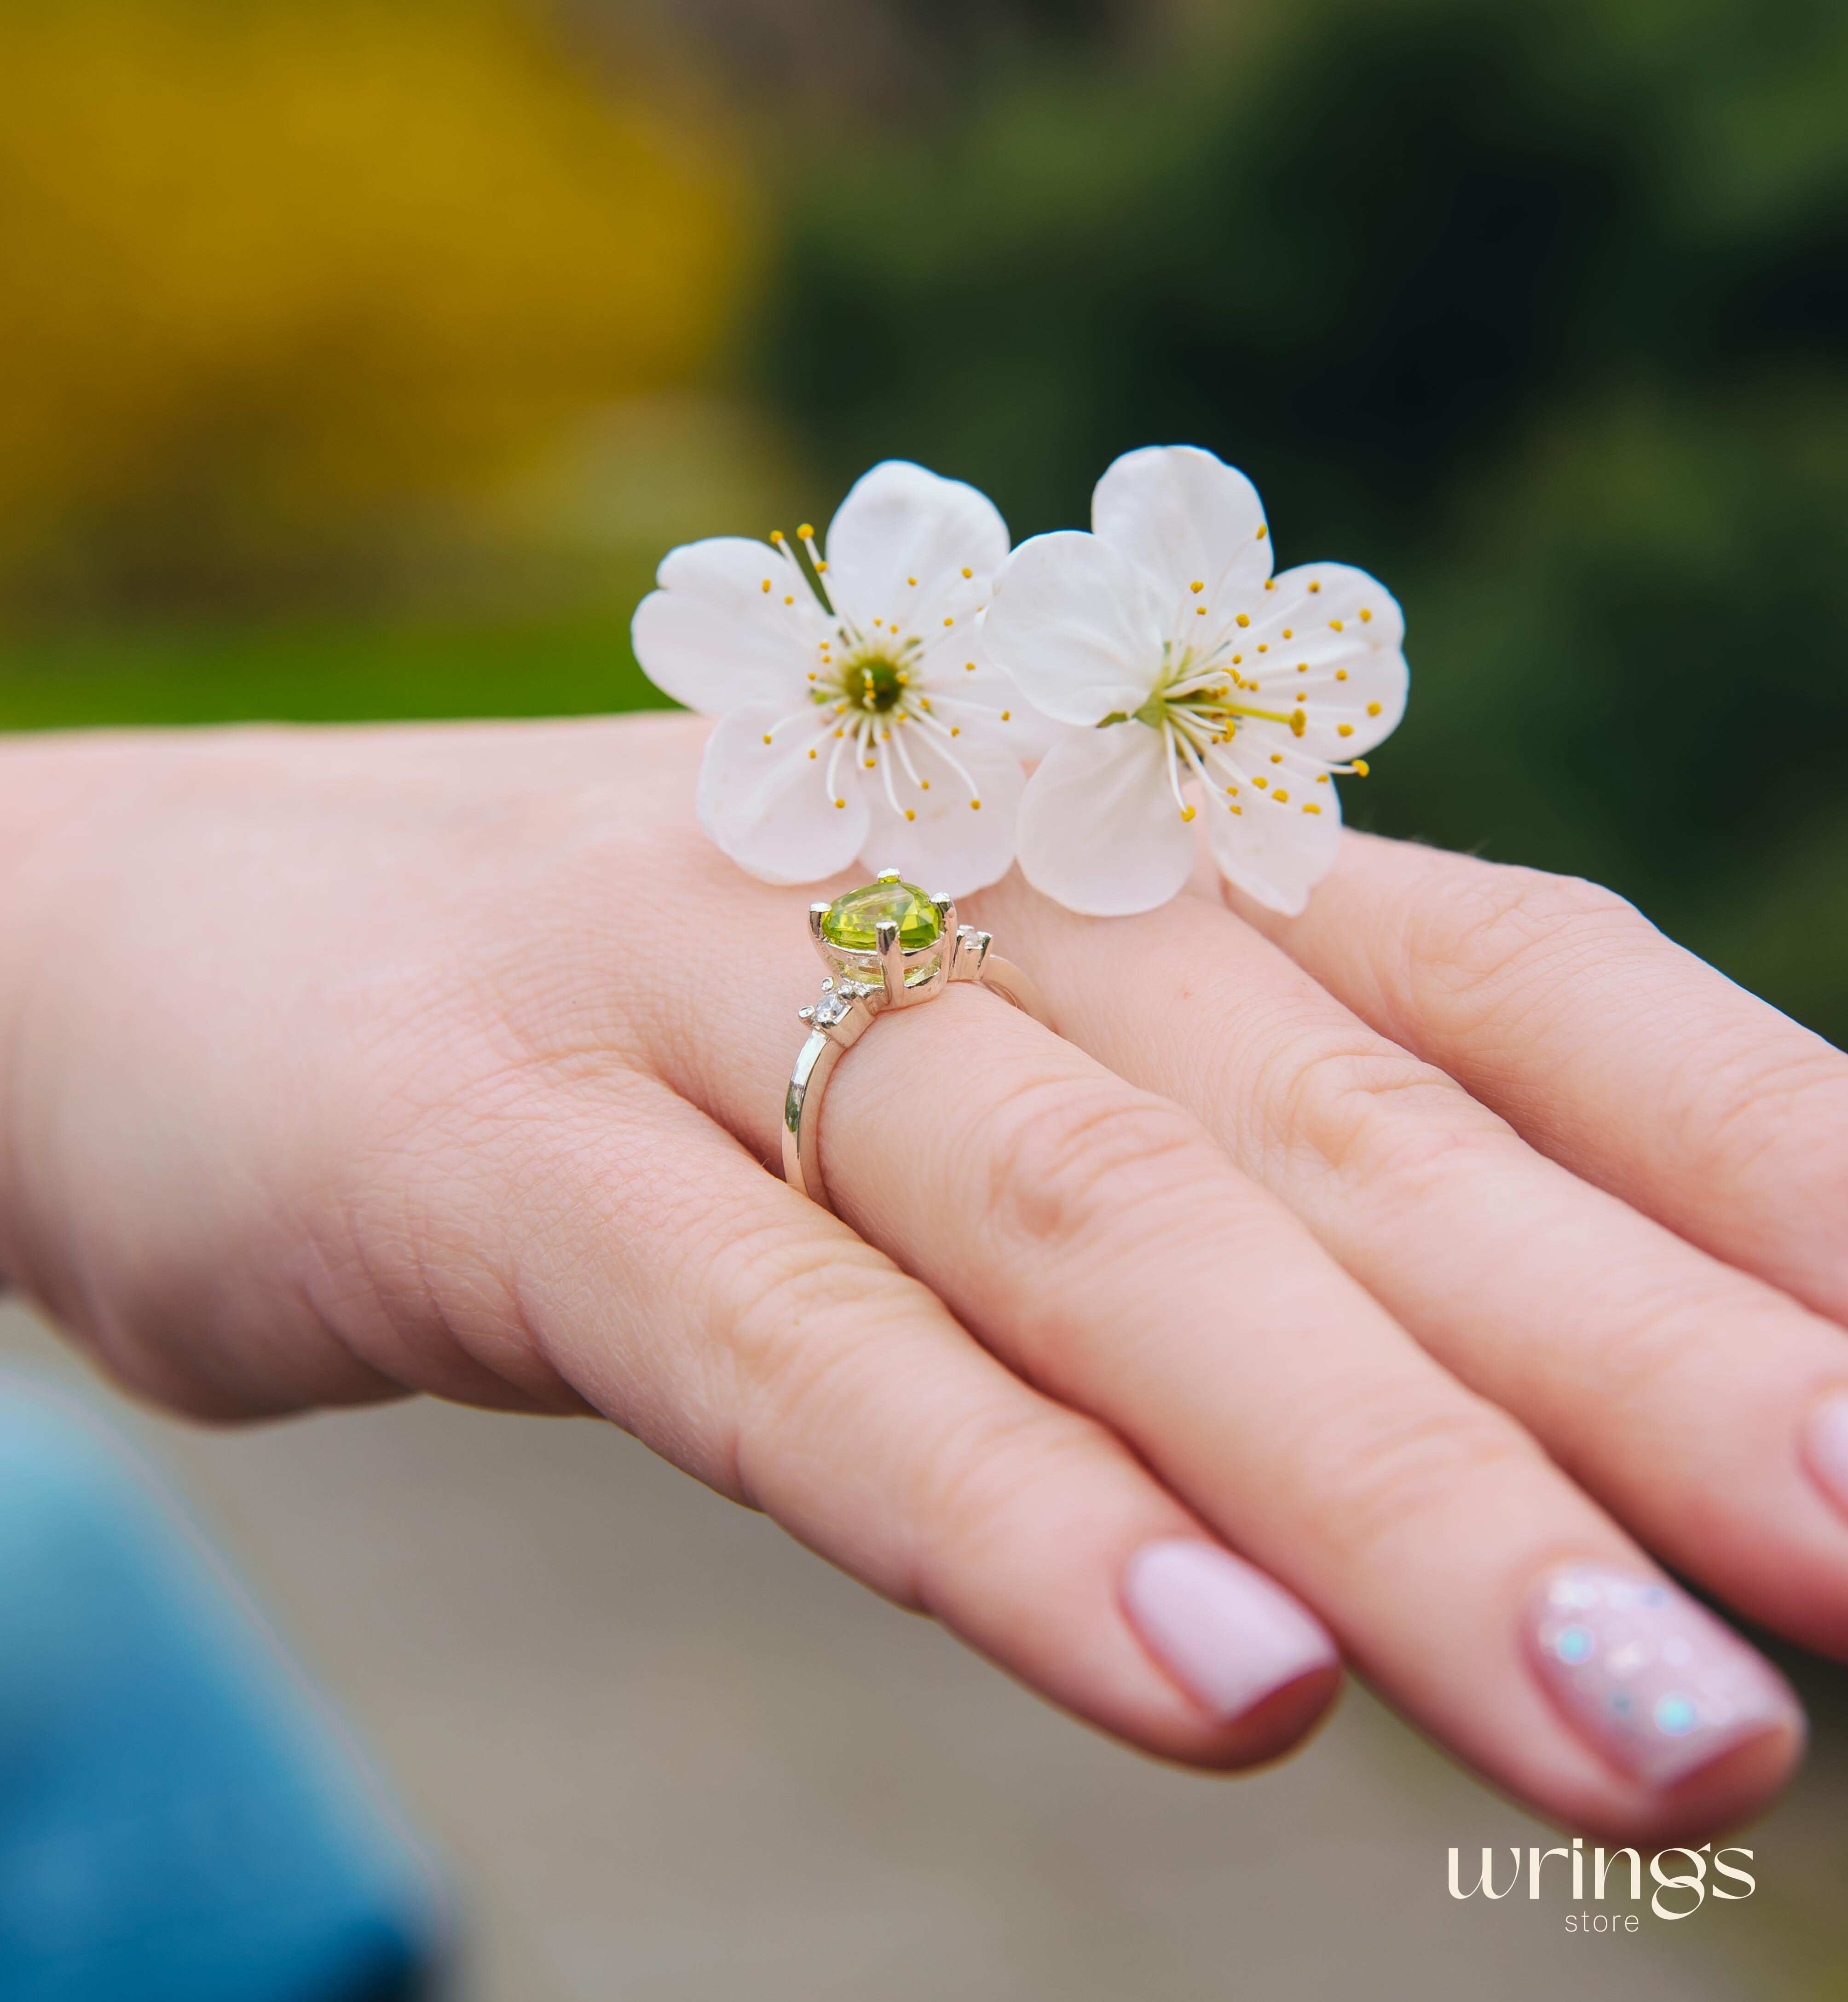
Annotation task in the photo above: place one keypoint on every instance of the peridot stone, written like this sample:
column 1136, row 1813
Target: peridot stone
column 852, row 921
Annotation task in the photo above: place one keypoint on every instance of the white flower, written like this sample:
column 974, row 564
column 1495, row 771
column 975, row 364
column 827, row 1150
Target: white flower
column 865, row 722
column 1198, row 679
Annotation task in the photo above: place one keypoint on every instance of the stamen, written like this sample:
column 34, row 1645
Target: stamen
column 834, row 759
column 949, row 757
column 1168, row 739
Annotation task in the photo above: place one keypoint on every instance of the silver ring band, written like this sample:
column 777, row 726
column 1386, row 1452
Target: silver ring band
column 862, row 985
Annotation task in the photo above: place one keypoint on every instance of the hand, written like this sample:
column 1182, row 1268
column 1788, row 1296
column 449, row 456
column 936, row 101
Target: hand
column 334, row 1064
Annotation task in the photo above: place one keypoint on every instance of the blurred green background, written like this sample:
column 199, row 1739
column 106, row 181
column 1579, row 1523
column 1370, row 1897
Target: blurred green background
column 360, row 359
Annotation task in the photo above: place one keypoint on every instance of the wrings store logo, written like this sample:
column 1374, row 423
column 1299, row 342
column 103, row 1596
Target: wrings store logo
column 1679, row 1892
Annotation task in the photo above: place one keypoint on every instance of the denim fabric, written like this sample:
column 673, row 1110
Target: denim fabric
column 180, row 1818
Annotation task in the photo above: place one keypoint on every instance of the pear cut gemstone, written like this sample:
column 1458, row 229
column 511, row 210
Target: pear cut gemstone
column 852, row 921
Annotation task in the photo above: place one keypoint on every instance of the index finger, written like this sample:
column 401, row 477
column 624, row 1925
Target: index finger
column 1606, row 1045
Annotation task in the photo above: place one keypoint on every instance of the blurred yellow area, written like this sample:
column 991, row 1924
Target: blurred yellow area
column 278, row 267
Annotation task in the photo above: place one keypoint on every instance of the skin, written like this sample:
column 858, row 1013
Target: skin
column 1459, row 1226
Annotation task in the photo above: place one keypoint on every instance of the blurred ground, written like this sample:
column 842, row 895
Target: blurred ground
column 672, row 1756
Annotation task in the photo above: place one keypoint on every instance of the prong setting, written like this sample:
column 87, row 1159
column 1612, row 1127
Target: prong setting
column 864, row 980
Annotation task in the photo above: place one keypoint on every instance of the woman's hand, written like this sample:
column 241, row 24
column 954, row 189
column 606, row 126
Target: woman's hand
column 1438, row 1252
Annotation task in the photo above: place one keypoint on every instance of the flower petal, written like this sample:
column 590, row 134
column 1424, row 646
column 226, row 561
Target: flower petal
column 1275, row 848
column 1099, row 831
column 714, row 638
column 1076, row 627
column 950, row 846
column 1186, row 518
column 902, row 538
column 768, row 806
column 1326, row 637
column 965, row 685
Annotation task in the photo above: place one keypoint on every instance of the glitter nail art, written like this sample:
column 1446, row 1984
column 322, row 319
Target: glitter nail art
column 1650, row 1677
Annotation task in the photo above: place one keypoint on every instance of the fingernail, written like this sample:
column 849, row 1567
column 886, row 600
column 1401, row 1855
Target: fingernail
column 1825, row 1447
column 1648, row 1676
column 1223, row 1631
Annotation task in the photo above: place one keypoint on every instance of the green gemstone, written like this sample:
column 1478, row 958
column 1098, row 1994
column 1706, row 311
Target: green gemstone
column 852, row 921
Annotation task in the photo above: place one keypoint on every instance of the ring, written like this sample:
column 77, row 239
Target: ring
column 885, row 945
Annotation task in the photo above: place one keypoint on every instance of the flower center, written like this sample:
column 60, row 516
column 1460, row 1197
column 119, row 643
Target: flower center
column 874, row 680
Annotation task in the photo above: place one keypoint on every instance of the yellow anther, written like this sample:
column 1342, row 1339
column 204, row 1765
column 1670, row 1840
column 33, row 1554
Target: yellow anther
column 766, row 584
column 766, row 736
column 949, row 621
column 911, row 580
column 789, row 601
column 1231, row 789
column 1344, row 729
column 1197, row 586
column 1270, row 584
column 1321, row 778
column 1262, row 532
column 1276, row 756
column 1237, row 659
column 1244, row 619
column 1186, row 813
column 1287, row 634
column 1200, row 611
column 819, row 568
column 1372, row 708
column 840, row 803
column 1340, row 674
column 1298, row 722
column 869, row 763
column 811, row 750
column 1362, row 768
column 1315, row 587
column 924, row 785
column 1302, row 667
column 911, row 813
column 1280, row 796
column 967, row 571
column 1335, row 626
column 1007, row 716
column 1263, row 646
column 1365, row 615
column 806, row 530
column 1311, row 808
column 956, row 730
column 968, row 666
column 778, row 537
column 812, row 675
column 1237, row 810
column 1260, row 783
column 975, row 806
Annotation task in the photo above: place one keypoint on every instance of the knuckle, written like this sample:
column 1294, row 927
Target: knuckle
column 1499, row 932
column 1393, row 1463
column 973, row 1481
column 1371, row 1111
column 1065, row 1159
column 1767, row 1096
column 772, row 1288
column 781, row 1358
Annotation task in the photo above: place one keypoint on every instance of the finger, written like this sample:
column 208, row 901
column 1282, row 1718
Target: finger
column 1674, row 1388
column 1609, row 1048
column 753, row 1340
column 1102, row 1244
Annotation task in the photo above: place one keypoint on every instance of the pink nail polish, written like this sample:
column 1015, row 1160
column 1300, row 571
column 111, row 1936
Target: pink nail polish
column 1825, row 1447
column 1222, row 1630
column 1651, row 1678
